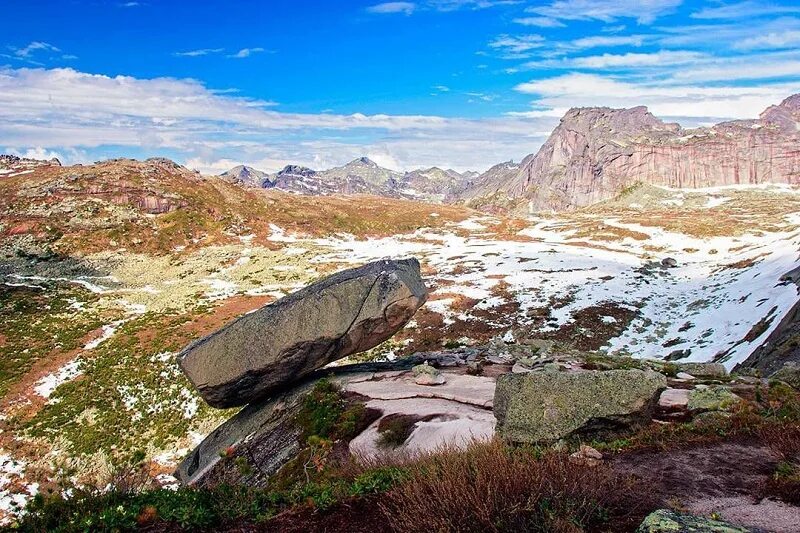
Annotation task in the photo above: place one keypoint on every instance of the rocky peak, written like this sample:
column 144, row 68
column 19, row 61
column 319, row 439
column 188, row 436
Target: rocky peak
column 11, row 163
column 296, row 170
column 363, row 161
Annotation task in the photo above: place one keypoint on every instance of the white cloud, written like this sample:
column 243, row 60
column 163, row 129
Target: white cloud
column 556, row 95
column 644, row 11
column 517, row 44
column 247, row 52
column 66, row 109
column 606, row 41
column 199, row 52
column 405, row 8
column 773, row 40
column 35, row 46
column 541, row 22
column 632, row 60
column 442, row 88
column 745, row 9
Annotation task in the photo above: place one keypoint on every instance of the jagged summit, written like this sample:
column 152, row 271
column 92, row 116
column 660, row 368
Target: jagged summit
column 596, row 152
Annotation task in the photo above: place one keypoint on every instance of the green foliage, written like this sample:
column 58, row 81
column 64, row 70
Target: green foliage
column 378, row 480
column 786, row 470
column 37, row 323
column 328, row 415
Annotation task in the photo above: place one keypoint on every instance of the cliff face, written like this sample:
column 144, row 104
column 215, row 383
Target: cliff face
column 594, row 153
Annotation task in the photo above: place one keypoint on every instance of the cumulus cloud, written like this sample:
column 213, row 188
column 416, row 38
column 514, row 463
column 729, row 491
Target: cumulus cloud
column 67, row 109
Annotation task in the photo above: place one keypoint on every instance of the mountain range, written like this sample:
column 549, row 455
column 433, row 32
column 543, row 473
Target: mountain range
column 592, row 155
column 360, row 176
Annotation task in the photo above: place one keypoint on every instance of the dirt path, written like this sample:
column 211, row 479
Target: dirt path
column 724, row 478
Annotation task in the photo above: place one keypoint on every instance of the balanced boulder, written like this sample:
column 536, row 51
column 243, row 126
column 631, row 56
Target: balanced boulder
column 542, row 407
column 346, row 313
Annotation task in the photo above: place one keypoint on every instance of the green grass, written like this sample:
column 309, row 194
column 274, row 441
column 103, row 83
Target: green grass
column 37, row 323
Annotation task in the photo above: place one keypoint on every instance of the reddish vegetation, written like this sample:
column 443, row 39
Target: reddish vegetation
column 190, row 210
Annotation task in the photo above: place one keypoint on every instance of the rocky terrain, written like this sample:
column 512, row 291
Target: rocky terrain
column 595, row 153
column 109, row 271
column 360, row 176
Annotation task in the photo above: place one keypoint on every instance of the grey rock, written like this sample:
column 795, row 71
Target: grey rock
column 665, row 520
column 706, row 370
column 548, row 406
column 261, row 352
column 669, row 262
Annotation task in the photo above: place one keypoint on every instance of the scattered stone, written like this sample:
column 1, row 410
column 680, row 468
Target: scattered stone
column 706, row 370
column 665, row 520
column 715, row 398
column 547, row 406
column 789, row 374
column 425, row 374
column 586, row 456
column 674, row 400
column 349, row 312
column 669, row 262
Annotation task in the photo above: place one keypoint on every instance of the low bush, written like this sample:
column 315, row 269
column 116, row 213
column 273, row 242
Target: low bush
column 490, row 487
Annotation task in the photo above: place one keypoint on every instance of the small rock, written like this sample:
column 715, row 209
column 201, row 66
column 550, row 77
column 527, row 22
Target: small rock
column 674, row 400
column 586, row 456
column 669, row 262
column 684, row 375
column 425, row 374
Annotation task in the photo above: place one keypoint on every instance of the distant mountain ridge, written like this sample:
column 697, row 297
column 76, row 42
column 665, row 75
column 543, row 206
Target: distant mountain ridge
column 360, row 176
column 594, row 153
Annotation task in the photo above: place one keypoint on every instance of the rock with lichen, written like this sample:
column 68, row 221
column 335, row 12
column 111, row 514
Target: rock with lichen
column 539, row 407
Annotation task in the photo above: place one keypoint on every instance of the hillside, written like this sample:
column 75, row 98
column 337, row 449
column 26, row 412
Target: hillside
column 109, row 270
column 595, row 153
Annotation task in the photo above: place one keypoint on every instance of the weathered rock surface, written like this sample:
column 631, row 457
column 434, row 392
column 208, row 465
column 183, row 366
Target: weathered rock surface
column 665, row 520
column 547, row 406
column 783, row 344
column 708, row 370
column 349, row 312
column 712, row 399
column 594, row 153
column 789, row 373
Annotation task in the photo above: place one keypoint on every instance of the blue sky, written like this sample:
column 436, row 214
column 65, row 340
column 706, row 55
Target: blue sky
column 455, row 83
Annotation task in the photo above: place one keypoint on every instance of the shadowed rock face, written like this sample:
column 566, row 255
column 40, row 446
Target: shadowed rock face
column 349, row 312
column 596, row 152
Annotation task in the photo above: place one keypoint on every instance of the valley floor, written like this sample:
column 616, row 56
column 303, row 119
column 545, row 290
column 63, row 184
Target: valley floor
column 88, row 372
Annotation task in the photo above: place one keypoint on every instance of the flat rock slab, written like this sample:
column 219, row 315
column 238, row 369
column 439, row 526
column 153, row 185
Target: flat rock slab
column 264, row 351
column 461, row 388
column 446, row 423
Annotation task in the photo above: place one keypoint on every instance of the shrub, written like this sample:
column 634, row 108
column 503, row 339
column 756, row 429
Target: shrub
column 490, row 487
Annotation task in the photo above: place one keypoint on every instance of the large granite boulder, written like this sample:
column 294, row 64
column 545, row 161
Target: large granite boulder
column 546, row 406
column 349, row 312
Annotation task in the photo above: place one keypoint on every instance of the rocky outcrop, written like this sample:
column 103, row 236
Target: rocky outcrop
column 349, row 312
column 665, row 520
column 594, row 153
column 783, row 344
column 541, row 407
